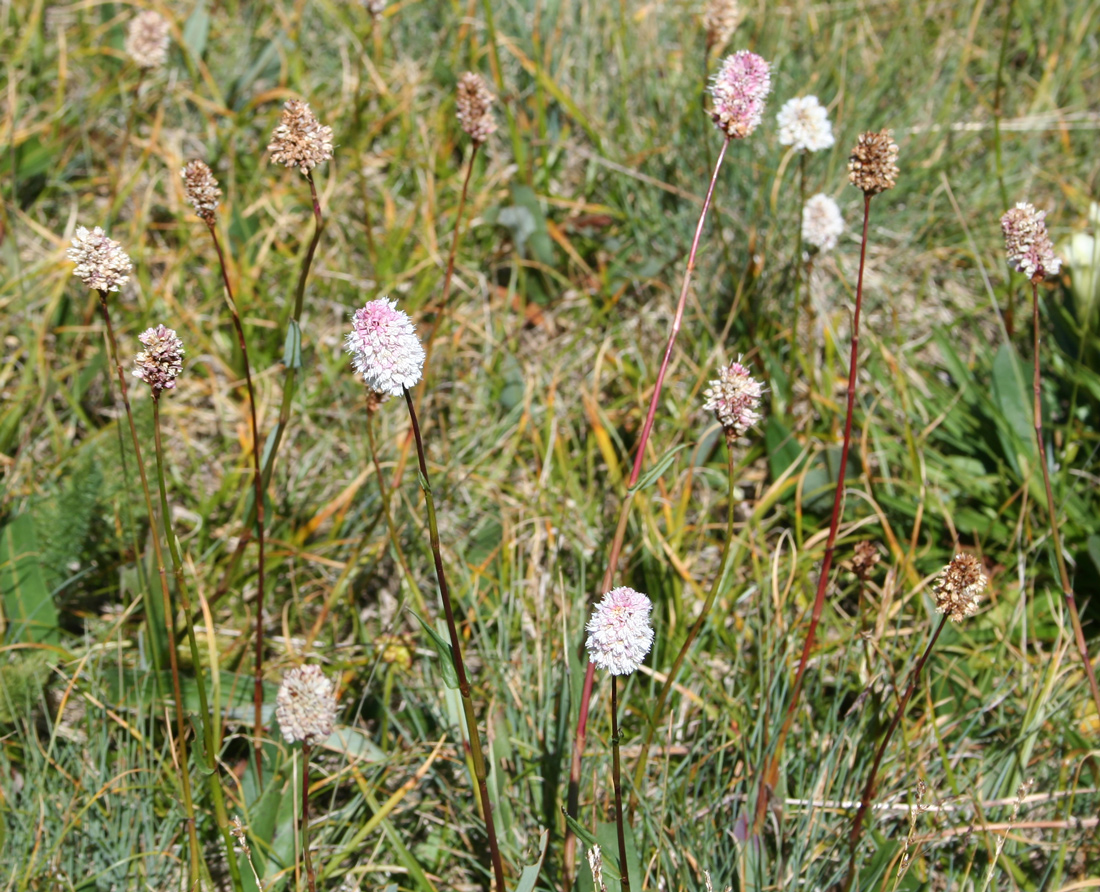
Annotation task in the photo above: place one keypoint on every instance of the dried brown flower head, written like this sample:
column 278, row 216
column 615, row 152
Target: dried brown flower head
column 101, row 264
column 720, row 19
column 202, row 190
column 865, row 559
column 1028, row 244
column 872, row 165
column 147, row 39
column 306, row 705
column 161, row 362
column 959, row 587
column 474, row 102
column 300, row 140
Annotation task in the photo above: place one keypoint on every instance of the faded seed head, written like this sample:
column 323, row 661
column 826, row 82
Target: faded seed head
column 720, row 19
column 474, row 107
column 202, row 190
column 101, row 264
column 872, row 165
column 1028, row 244
column 147, row 39
column 300, row 140
column 959, row 587
column 161, row 362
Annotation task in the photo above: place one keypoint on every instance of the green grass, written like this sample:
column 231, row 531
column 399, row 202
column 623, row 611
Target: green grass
column 535, row 395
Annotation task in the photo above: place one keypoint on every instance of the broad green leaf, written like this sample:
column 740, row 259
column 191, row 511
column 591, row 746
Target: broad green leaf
column 292, row 346
column 530, row 874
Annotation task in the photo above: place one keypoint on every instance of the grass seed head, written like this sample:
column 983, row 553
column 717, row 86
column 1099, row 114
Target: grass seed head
column 804, row 125
column 101, row 264
column 872, row 165
column 734, row 397
column 202, row 190
column 1028, row 244
column 147, row 39
column 300, row 140
column 619, row 633
column 960, row 587
column 822, row 224
column 720, row 19
column 474, row 103
column 161, row 362
column 384, row 347
column 738, row 92
column 306, row 705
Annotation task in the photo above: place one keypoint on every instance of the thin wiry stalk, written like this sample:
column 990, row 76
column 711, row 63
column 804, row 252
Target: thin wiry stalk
column 767, row 777
column 173, row 658
column 869, row 787
column 624, row 869
column 624, row 514
column 210, row 744
column 257, row 493
column 456, row 653
column 311, row 878
column 1052, row 510
column 998, row 111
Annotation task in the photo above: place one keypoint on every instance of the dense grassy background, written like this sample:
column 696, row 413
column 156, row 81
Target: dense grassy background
column 581, row 211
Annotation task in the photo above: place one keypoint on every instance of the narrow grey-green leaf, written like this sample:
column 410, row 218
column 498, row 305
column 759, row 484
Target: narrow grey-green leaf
column 658, row 469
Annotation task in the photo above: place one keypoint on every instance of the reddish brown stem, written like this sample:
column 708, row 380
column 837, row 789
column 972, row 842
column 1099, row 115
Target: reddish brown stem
column 767, row 777
column 624, row 870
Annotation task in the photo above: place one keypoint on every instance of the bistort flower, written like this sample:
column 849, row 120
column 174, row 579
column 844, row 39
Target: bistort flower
column 147, row 39
column 161, row 362
column 1027, row 243
column 306, row 705
column 738, row 92
column 959, row 587
column 733, row 397
column 804, row 125
column 101, row 264
column 384, row 347
column 300, row 140
column 822, row 225
column 202, row 190
column 474, row 103
column 872, row 166
column 865, row 559
column 720, row 19
column 619, row 634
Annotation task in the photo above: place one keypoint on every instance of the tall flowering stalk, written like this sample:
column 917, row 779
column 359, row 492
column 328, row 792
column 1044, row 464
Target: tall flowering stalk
column 103, row 266
column 619, row 637
column 204, row 193
column 389, row 357
column 1031, row 252
column 158, row 366
column 872, row 168
column 738, row 92
column 957, row 592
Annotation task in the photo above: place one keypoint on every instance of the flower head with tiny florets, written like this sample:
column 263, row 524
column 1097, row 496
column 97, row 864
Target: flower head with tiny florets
column 101, row 264
column 300, row 140
column 376, row 8
column 738, row 92
column 306, row 705
column 733, row 397
column 822, row 224
column 161, row 362
column 720, row 19
column 619, row 634
column 474, row 107
column 804, row 125
column 147, row 39
column 872, row 166
column 1028, row 244
column 384, row 347
column 202, row 190
column 959, row 587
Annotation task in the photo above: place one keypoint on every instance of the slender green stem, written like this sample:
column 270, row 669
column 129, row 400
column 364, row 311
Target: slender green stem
column 869, row 787
column 456, row 653
column 798, row 249
column 624, row 869
column 1052, row 511
column 311, row 878
column 209, row 740
column 173, row 658
column 998, row 111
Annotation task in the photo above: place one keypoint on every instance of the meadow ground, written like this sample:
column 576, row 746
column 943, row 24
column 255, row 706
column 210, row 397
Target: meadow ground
column 575, row 235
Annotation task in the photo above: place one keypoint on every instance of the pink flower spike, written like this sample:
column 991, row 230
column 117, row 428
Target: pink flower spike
column 384, row 347
column 738, row 91
column 619, row 634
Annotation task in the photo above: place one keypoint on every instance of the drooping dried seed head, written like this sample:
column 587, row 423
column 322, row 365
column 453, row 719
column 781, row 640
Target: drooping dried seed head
column 202, row 190
column 865, row 559
column 306, row 705
column 147, row 39
column 101, row 264
column 300, row 140
column 619, row 633
column 872, row 165
column 738, row 92
column 959, row 587
column 1027, row 243
column 720, row 19
column 474, row 107
column 734, row 397
column 822, row 224
column 161, row 362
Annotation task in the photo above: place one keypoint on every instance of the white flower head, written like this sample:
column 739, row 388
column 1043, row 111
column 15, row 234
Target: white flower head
column 734, row 398
column 306, row 705
column 804, row 125
column 619, row 633
column 101, row 264
column 822, row 225
column 384, row 347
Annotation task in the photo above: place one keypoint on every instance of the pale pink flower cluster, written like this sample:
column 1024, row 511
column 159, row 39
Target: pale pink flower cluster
column 147, row 39
column 733, row 397
column 804, row 125
column 619, row 634
column 384, row 347
column 101, row 264
column 738, row 92
column 306, row 705
column 161, row 362
column 1029, row 248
